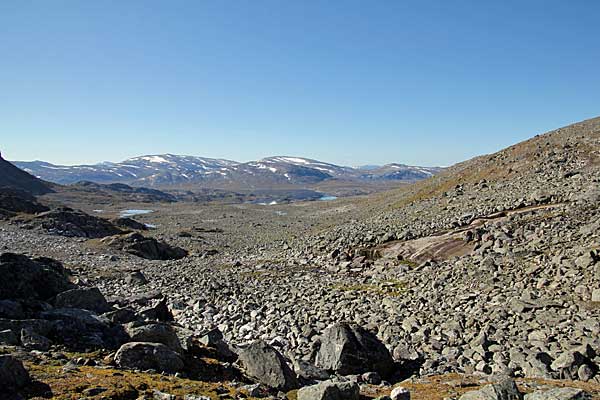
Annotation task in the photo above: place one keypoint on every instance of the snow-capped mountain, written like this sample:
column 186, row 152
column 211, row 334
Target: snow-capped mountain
column 150, row 170
column 399, row 172
column 172, row 170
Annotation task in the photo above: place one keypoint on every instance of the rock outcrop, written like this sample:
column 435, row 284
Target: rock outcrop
column 66, row 221
column 262, row 362
column 149, row 356
column 12, row 374
column 349, row 349
column 330, row 390
column 149, row 248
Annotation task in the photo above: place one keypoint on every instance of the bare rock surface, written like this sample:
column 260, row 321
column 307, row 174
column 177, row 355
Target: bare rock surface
column 264, row 363
column 329, row 390
column 144, row 247
column 148, row 356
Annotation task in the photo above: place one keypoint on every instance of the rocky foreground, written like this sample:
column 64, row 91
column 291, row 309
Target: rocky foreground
column 481, row 283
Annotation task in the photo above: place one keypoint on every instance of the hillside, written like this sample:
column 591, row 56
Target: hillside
column 558, row 165
column 14, row 178
column 489, row 269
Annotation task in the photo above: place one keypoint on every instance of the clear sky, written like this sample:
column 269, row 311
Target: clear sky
column 345, row 81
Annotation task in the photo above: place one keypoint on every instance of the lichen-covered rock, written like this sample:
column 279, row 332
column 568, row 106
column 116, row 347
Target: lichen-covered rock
column 504, row 390
column 329, row 390
column 148, row 248
column 264, row 363
column 154, row 333
column 349, row 349
column 146, row 356
column 559, row 394
column 69, row 222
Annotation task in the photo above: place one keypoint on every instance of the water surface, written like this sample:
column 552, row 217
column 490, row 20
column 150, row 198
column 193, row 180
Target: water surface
column 133, row 212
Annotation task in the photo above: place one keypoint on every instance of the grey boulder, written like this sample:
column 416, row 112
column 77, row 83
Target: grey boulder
column 154, row 333
column 559, row 394
column 12, row 373
column 504, row 390
column 400, row 393
column 266, row 365
column 34, row 341
column 145, row 356
column 329, row 390
column 85, row 298
column 8, row 337
column 349, row 349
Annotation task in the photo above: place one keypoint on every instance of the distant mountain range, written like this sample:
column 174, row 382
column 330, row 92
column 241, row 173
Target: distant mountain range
column 175, row 170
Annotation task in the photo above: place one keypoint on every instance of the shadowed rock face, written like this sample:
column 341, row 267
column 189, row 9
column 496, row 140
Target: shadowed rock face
column 148, row 248
column 68, row 222
column 129, row 223
column 349, row 349
column 12, row 374
column 24, row 278
column 19, row 202
column 85, row 298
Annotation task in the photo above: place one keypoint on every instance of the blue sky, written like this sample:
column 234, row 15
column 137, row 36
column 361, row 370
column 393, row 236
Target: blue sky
column 350, row 82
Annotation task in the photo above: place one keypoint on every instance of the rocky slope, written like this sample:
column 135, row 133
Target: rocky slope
column 486, row 273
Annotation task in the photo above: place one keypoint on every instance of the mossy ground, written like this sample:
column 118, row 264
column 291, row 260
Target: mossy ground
column 454, row 385
column 51, row 381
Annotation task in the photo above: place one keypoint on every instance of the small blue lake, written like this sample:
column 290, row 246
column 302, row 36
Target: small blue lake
column 134, row 212
column 328, row 198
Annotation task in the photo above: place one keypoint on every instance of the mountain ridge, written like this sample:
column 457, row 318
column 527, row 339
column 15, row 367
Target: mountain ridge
column 168, row 169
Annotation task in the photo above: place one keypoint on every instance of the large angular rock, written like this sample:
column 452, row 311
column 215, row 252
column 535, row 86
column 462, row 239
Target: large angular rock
column 154, row 333
column 349, row 349
column 329, row 390
column 400, row 393
column 9, row 338
column 309, row 372
column 34, row 341
column 567, row 364
column 129, row 223
column 159, row 311
column 26, row 278
column 148, row 248
column 83, row 330
column 86, row 298
column 145, row 356
column 12, row 373
column 11, row 309
column 559, row 394
column 265, row 364
column 504, row 390
column 65, row 221
column 40, row 326
column 214, row 339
